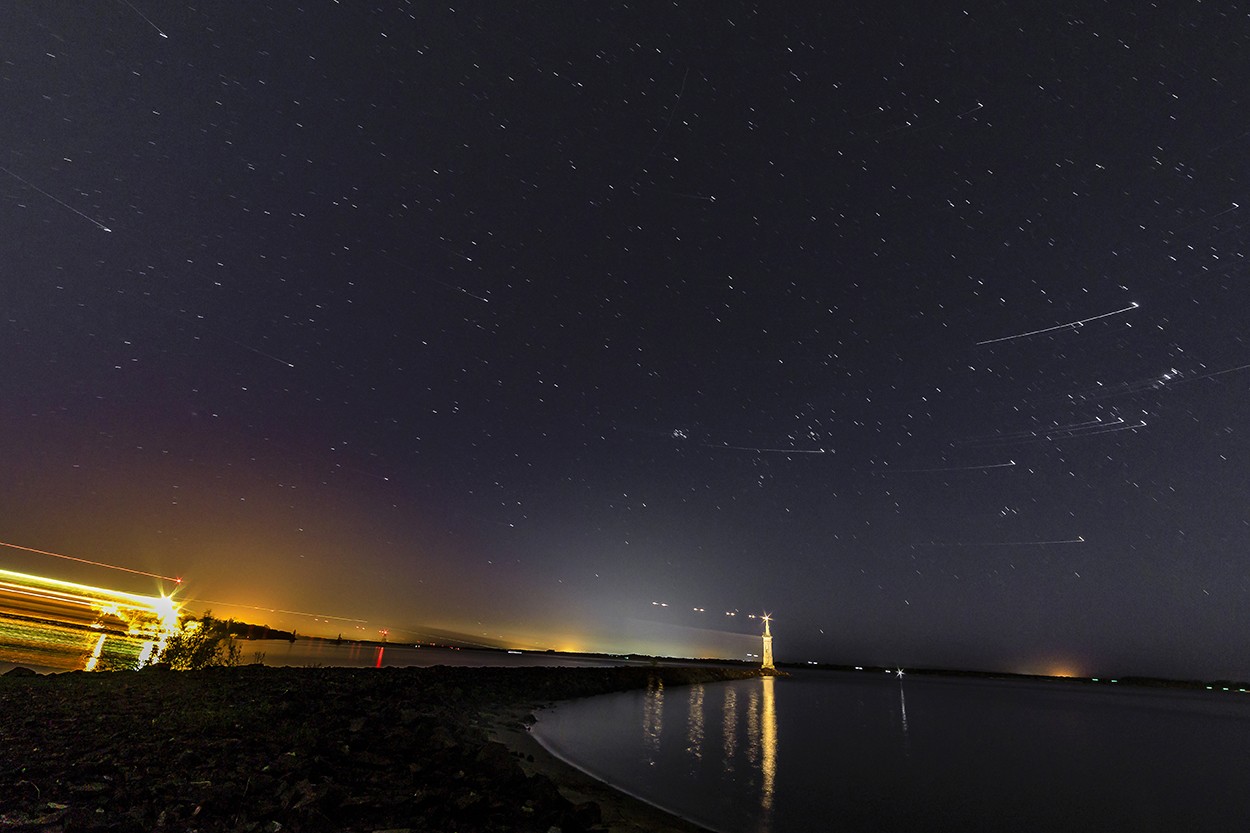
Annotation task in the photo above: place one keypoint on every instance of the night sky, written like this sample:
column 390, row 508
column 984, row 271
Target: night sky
column 922, row 327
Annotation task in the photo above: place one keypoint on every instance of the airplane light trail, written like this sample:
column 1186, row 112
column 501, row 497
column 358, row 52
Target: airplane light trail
column 96, row 223
column 1070, row 431
column 1185, row 379
column 276, row 610
column 93, row 563
column 198, row 320
column 432, row 279
column 145, row 17
column 768, row 450
column 1006, row 465
column 1080, row 539
column 1069, row 325
column 257, row 351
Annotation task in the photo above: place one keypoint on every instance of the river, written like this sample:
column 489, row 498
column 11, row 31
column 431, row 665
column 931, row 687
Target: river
column 845, row 751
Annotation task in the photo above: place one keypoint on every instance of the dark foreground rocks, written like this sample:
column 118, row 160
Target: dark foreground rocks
column 290, row 749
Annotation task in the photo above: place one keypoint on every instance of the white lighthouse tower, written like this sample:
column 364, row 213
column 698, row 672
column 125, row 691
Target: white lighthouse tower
column 766, row 662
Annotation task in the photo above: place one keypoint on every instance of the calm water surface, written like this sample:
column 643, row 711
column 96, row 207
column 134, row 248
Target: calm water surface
column 854, row 752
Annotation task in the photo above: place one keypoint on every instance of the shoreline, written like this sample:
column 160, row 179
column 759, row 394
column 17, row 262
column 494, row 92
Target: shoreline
column 257, row 748
column 620, row 811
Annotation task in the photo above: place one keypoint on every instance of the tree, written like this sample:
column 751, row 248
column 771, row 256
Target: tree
column 201, row 644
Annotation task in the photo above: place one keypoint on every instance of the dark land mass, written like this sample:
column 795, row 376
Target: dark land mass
column 255, row 748
column 245, row 630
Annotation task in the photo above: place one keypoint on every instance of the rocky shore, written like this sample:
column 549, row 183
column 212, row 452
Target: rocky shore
column 256, row 748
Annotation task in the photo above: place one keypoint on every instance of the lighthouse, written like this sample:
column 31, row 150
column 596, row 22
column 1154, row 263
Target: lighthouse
column 766, row 662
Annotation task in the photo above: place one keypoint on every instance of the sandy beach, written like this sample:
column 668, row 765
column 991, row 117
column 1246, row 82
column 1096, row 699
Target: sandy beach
column 256, row 748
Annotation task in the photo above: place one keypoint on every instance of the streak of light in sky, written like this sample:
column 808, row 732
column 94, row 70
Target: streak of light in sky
column 30, row 184
column 1006, row 465
column 768, row 450
column 1080, row 539
column 145, row 17
column 276, row 610
column 93, row 563
column 1069, row 325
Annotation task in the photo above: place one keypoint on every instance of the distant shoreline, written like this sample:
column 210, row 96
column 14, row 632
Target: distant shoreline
column 244, row 633
column 1129, row 681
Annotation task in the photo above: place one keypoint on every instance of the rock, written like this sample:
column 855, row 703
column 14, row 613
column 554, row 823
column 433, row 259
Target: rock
column 19, row 671
column 441, row 738
column 583, row 816
column 498, row 762
column 289, row 750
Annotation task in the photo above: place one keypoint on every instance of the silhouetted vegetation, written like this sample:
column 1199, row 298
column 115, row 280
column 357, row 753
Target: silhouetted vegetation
column 205, row 643
column 245, row 630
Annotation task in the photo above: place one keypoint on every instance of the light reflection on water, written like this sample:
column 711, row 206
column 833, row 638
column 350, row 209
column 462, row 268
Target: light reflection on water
column 847, row 752
column 694, row 732
column 902, row 710
column 43, row 646
column 677, row 735
column 768, row 740
column 653, row 715
column 729, row 726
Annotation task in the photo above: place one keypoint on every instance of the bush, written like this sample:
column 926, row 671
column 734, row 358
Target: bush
column 112, row 663
column 203, row 644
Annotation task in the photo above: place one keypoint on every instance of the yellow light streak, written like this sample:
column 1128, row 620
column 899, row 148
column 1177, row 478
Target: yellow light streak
column 131, row 608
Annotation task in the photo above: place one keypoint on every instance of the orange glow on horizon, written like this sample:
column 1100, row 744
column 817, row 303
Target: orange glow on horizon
column 1063, row 671
column 1059, row 668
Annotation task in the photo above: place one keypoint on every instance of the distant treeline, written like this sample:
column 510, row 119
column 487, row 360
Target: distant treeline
column 243, row 630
